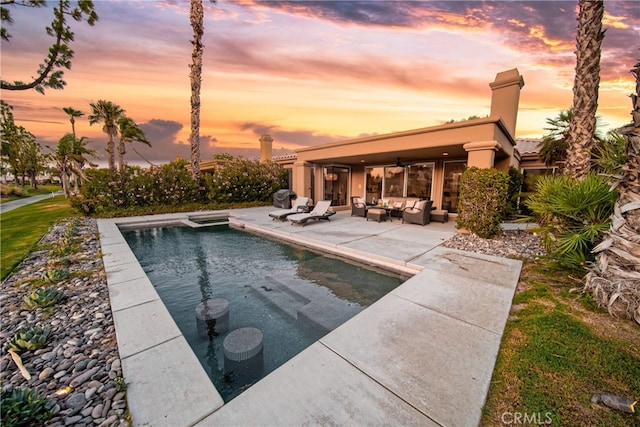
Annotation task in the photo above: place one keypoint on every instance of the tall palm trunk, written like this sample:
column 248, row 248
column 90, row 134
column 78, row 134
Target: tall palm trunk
column 614, row 280
column 585, row 87
column 110, row 153
column 197, row 24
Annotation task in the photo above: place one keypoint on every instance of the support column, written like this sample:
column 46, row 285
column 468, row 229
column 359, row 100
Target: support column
column 481, row 154
column 301, row 176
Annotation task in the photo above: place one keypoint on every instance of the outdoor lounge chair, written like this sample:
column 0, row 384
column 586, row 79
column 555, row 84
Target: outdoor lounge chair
column 419, row 214
column 321, row 211
column 358, row 207
column 298, row 206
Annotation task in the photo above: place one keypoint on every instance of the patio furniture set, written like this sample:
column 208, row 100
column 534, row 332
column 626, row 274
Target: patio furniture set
column 410, row 210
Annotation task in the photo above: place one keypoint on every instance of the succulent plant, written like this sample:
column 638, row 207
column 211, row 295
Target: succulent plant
column 25, row 407
column 43, row 297
column 56, row 275
column 31, row 338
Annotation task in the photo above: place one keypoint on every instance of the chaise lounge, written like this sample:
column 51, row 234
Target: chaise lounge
column 321, row 211
column 298, row 206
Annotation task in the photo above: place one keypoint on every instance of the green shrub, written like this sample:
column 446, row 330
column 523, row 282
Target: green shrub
column 25, row 407
column 9, row 191
column 170, row 184
column 237, row 181
column 242, row 180
column 516, row 180
column 483, row 200
column 571, row 213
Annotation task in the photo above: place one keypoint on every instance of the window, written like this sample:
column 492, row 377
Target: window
column 393, row 181
column 374, row 184
column 420, row 180
column 451, row 188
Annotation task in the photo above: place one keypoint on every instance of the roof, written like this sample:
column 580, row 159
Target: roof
column 528, row 145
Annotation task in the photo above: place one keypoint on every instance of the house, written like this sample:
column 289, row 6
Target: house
column 426, row 162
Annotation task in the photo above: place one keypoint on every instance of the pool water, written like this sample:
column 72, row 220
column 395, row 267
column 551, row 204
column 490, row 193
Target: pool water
column 292, row 295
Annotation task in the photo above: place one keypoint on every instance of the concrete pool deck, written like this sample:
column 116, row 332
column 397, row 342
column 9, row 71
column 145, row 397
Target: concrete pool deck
column 421, row 355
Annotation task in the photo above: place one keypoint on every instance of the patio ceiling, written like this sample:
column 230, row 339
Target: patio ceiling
column 405, row 156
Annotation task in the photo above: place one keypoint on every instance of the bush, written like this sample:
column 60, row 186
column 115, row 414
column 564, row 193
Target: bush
column 571, row 213
column 516, row 180
column 9, row 191
column 170, row 184
column 237, row 181
column 242, row 180
column 483, row 200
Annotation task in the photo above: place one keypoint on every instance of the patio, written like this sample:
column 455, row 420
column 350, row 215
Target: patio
column 422, row 355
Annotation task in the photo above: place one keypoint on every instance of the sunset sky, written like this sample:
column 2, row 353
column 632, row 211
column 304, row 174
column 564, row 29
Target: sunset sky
column 313, row 72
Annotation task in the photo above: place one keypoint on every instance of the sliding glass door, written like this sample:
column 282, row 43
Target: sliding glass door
column 336, row 184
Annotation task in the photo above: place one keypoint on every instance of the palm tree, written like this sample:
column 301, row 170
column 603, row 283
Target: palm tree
column 70, row 158
column 585, row 88
column 196, row 16
column 554, row 146
column 108, row 113
column 129, row 132
column 73, row 113
column 614, row 280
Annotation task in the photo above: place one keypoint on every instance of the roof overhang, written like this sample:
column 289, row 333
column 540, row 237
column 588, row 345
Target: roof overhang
column 437, row 142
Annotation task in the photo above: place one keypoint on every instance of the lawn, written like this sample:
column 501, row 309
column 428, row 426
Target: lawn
column 22, row 228
column 558, row 351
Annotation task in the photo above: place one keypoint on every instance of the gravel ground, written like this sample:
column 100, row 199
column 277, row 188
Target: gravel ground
column 508, row 244
column 79, row 367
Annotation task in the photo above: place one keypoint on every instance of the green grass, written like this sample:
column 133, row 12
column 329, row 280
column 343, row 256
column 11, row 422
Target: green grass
column 22, row 228
column 552, row 361
column 42, row 189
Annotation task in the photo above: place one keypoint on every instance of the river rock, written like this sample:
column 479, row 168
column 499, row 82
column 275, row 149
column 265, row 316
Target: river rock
column 46, row 373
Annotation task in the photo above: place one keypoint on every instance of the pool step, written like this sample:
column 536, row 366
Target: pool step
column 192, row 224
column 278, row 293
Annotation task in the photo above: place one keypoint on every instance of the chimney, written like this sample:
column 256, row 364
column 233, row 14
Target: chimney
column 505, row 97
column 265, row 148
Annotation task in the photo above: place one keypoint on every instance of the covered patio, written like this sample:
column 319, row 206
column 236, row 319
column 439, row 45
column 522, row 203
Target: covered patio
column 425, row 163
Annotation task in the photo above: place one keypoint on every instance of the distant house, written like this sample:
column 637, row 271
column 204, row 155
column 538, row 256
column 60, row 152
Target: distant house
column 426, row 162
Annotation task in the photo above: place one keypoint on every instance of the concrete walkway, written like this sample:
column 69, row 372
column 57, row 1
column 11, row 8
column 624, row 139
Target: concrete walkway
column 422, row 355
column 14, row 204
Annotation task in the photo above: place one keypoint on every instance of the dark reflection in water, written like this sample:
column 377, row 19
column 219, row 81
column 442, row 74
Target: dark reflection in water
column 292, row 295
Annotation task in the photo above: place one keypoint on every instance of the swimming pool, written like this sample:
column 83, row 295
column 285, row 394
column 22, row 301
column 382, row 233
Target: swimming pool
column 293, row 295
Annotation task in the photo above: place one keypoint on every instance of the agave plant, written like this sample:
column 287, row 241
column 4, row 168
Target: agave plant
column 31, row 338
column 56, row 275
column 25, row 407
column 43, row 297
